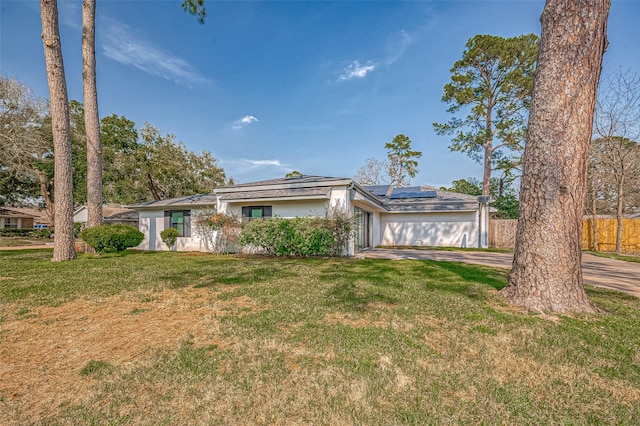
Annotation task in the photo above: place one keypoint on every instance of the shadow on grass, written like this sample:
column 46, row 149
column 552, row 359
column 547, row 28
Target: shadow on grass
column 352, row 297
column 474, row 274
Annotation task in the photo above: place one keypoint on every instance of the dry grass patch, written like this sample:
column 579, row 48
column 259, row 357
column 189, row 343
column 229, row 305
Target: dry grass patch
column 41, row 357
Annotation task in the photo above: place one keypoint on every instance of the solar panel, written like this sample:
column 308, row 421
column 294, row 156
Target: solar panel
column 412, row 192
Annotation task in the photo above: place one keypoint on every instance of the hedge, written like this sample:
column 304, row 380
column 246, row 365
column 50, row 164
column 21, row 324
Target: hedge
column 110, row 238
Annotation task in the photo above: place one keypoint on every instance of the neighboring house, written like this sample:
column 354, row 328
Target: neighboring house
column 13, row 218
column 40, row 218
column 110, row 214
column 403, row 216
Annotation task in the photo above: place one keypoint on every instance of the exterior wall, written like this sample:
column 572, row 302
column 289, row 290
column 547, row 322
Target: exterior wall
column 152, row 224
column 287, row 209
column 459, row 229
column 81, row 215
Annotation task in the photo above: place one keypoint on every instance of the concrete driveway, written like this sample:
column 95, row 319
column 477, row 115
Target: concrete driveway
column 597, row 271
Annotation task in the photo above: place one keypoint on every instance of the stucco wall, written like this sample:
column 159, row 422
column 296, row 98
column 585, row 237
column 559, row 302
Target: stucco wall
column 287, row 209
column 430, row 229
column 152, row 224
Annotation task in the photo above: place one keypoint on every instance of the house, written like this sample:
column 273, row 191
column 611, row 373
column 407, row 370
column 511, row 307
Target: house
column 111, row 214
column 16, row 219
column 397, row 216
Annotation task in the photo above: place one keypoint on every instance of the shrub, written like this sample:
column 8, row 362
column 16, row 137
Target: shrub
column 170, row 236
column 302, row 236
column 110, row 238
column 219, row 232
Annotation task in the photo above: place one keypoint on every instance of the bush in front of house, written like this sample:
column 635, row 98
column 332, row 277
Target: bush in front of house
column 301, row 236
column 111, row 238
column 169, row 236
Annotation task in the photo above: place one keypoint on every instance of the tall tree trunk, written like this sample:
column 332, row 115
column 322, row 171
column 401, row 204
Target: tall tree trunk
column 488, row 153
column 619, row 213
column 547, row 270
column 91, row 118
column 64, row 244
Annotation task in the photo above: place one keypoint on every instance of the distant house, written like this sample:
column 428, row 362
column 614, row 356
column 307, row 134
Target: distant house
column 13, row 218
column 401, row 216
column 111, row 214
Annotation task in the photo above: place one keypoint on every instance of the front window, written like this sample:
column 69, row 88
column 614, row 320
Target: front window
column 256, row 212
column 11, row 223
column 177, row 222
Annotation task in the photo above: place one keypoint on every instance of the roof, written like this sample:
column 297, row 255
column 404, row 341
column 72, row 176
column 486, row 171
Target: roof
column 407, row 199
column 191, row 200
column 286, row 181
column 422, row 198
column 14, row 212
column 297, row 193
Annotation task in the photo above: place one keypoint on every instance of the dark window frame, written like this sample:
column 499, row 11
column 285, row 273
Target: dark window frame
column 265, row 212
column 186, row 221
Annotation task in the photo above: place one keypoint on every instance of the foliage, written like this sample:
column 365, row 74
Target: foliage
column 219, row 232
column 493, row 83
column 300, row 236
column 138, row 165
column 196, row 8
column 373, row 173
column 169, row 236
column 111, row 238
column 504, row 196
column 403, row 162
column 294, row 173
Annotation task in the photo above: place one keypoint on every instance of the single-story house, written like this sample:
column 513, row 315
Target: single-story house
column 13, row 218
column 385, row 216
column 111, row 214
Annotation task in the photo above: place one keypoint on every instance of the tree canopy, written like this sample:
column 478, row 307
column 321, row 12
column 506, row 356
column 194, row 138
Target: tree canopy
column 403, row 161
column 504, row 196
column 492, row 85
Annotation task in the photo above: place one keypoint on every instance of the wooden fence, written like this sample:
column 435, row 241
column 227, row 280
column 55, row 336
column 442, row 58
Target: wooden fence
column 502, row 234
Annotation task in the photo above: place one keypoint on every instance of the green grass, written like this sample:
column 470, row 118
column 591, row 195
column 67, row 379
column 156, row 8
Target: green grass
column 320, row 341
column 625, row 257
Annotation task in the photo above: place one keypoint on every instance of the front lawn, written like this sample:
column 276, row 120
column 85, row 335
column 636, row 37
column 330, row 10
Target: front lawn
column 187, row 338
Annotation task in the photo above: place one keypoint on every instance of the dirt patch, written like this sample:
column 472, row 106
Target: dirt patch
column 41, row 356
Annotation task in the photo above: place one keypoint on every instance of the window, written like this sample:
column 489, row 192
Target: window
column 256, row 212
column 10, row 223
column 180, row 220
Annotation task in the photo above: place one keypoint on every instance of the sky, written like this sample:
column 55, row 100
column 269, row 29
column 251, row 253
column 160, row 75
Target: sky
column 269, row 87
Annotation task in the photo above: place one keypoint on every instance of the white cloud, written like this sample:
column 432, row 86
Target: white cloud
column 70, row 14
column 122, row 44
column 244, row 121
column 397, row 46
column 356, row 70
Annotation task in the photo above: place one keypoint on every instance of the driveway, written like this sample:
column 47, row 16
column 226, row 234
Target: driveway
column 597, row 271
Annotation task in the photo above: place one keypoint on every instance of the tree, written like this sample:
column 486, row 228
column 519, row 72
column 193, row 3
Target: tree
column 26, row 147
column 373, row 173
column 403, row 162
column 615, row 156
column 64, row 244
column 505, row 197
column 294, row 173
column 547, row 271
column 493, row 83
column 91, row 117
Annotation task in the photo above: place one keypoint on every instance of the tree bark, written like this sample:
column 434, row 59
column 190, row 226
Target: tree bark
column 547, row 270
column 48, row 202
column 91, row 117
column 64, row 244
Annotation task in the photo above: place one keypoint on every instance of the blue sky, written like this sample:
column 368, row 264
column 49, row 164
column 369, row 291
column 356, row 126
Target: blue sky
column 274, row 86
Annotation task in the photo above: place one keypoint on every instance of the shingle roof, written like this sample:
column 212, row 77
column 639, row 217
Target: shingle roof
column 317, row 192
column 15, row 213
column 191, row 200
column 284, row 181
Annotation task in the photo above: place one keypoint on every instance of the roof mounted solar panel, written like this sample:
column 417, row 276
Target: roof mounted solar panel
column 412, row 192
